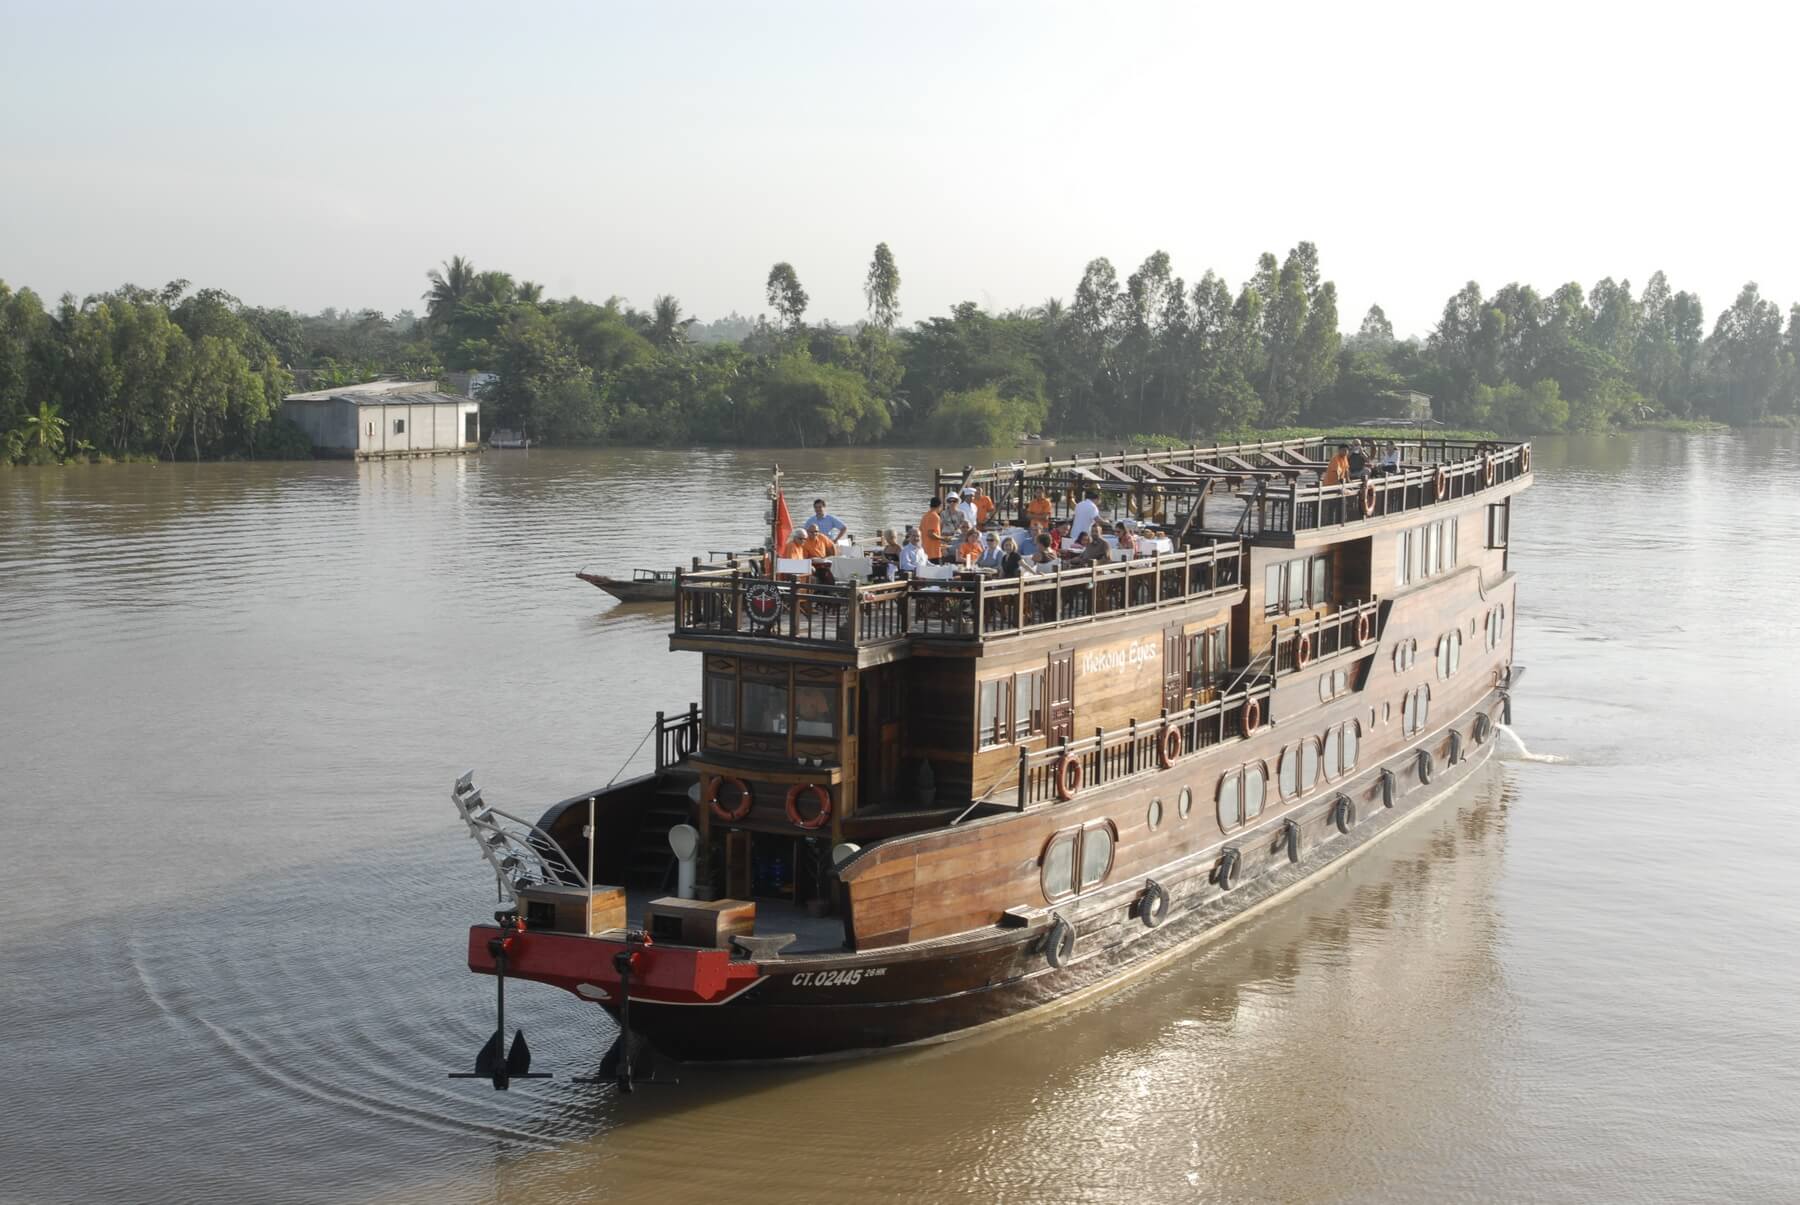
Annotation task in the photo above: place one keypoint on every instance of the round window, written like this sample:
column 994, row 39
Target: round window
column 1155, row 816
column 1184, row 803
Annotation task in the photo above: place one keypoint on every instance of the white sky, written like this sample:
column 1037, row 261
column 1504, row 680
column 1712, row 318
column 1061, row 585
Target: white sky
column 328, row 154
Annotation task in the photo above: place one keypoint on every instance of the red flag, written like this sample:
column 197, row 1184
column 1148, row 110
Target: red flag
column 784, row 522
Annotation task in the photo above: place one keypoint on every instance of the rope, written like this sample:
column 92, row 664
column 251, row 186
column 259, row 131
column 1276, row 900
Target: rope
column 627, row 761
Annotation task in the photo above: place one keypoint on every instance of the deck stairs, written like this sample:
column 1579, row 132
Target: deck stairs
column 651, row 863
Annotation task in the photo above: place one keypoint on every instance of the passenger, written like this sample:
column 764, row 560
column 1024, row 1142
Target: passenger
column 984, row 506
column 931, row 531
column 819, row 545
column 1087, row 511
column 1059, row 536
column 965, row 508
column 969, row 550
column 1040, row 513
column 1128, row 545
column 991, row 553
column 832, row 526
column 890, row 543
column 883, row 568
column 1045, row 556
column 912, row 554
column 1359, row 460
column 1011, row 563
column 795, row 548
column 1391, row 462
column 1095, row 551
column 1338, row 470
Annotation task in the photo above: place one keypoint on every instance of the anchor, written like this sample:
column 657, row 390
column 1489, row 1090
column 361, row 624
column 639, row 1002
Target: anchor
column 495, row 1062
column 620, row 1063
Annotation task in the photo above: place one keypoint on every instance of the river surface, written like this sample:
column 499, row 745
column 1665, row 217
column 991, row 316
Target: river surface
column 233, row 698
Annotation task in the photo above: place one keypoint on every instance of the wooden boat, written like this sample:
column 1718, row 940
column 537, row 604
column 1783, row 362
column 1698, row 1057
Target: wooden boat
column 903, row 811
column 645, row 585
column 1035, row 441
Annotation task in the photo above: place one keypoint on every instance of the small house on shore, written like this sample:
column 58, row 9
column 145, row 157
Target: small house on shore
column 386, row 418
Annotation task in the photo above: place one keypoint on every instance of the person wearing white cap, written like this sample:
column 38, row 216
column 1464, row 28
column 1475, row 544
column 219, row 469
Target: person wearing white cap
column 966, row 507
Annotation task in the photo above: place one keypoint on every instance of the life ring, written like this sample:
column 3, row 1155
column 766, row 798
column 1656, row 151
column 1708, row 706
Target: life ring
column 793, row 809
column 745, row 799
column 1168, row 749
column 1343, row 814
column 1290, row 837
column 1369, row 498
column 1227, row 869
column 1487, row 469
column 1252, row 716
column 1388, row 786
column 1365, row 628
column 1303, row 650
column 1525, row 459
column 1068, row 778
column 1059, row 943
column 1153, row 908
column 1440, row 483
column 1425, row 765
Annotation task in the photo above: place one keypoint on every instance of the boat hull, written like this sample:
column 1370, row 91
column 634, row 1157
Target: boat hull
column 814, row 1006
column 626, row 591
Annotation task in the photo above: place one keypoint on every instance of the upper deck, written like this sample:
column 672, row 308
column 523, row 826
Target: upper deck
column 1214, row 501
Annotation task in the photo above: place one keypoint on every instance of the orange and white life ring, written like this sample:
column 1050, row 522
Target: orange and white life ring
column 1487, row 469
column 793, row 805
column 1369, row 498
column 1364, row 628
column 745, row 799
column 1303, row 650
column 1168, row 749
column 1068, row 778
column 1440, row 483
column 1525, row 459
column 1252, row 716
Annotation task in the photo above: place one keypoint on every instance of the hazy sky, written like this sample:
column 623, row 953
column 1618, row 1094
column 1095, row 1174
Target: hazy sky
column 318, row 154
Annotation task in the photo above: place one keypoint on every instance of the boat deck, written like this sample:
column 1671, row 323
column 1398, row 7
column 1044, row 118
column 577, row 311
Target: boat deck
column 812, row 934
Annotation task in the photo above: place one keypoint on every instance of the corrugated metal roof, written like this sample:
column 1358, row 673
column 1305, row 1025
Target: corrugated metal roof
column 383, row 399
column 373, row 390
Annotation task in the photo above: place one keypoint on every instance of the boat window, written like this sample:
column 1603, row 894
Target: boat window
column 1409, row 712
column 765, row 708
column 1415, row 561
column 1206, row 658
column 1455, row 650
column 1424, row 705
column 1184, row 803
column 1010, row 708
column 1497, row 525
column 1324, row 688
column 1154, row 817
column 1096, row 855
column 1059, row 866
column 399, row 426
column 1229, row 814
column 1432, row 548
column 1287, row 773
column 1449, row 543
column 1294, row 596
column 1318, row 580
column 1352, row 738
column 815, row 710
column 1402, row 558
column 1256, row 785
column 1309, row 764
column 1332, row 770
column 1340, row 682
column 721, row 702
column 993, row 716
column 1272, row 590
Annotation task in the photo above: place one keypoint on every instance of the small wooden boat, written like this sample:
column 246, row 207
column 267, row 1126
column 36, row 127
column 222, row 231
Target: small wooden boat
column 646, row 585
column 1035, row 441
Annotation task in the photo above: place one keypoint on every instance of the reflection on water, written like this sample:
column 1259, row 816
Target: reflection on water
column 234, row 697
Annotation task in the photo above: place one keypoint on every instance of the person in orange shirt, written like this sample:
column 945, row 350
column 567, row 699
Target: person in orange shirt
column 795, row 548
column 931, row 531
column 984, row 506
column 818, row 545
column 1040, row 512
column 970, row 548
column 1338, row 470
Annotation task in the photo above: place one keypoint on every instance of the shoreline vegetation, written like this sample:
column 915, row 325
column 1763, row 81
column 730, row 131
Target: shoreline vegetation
column 170, row 373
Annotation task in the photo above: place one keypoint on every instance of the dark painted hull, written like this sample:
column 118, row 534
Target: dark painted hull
column 633, row 591
column 817, row 1006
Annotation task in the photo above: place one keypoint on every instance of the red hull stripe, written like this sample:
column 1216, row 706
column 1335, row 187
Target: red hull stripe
column 668, row 974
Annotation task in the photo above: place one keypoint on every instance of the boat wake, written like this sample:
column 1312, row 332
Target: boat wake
column 1512, row 748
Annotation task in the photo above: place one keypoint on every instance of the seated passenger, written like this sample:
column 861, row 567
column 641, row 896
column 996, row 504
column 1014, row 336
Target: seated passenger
column 795, row 548
column 912, row 554
column 1011, row 563
column 818, row 545
column 1040, row 512
column 1046, row 551
column 1338, row 470
column 1128, row 544
column 890, row 543
column 969, row 550
column 991, row 553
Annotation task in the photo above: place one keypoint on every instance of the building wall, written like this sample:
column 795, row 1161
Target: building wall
column 330, row 425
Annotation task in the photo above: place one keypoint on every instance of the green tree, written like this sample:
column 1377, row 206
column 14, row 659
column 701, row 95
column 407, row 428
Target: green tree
column 45, row 430
column 1745, row 354
column 881, row 288
column 449, row 288
column 786, row 297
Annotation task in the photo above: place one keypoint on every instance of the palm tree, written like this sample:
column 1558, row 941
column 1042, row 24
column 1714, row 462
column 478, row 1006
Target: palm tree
column 529, row 292
column 449, row 288
column 46, row 429
column 667, row 327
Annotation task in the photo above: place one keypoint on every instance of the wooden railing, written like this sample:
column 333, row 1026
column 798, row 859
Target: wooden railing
column 1107, row 757
column 1324, row 636
column 678, row 737
column 862, row 615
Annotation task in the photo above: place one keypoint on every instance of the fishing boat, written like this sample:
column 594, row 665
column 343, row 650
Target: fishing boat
column 900, row 812
column 644, row 585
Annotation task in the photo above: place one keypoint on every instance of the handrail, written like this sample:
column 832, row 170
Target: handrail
column 1330, row 634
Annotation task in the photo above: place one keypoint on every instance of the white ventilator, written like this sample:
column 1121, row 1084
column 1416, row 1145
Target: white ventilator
column 684, row 840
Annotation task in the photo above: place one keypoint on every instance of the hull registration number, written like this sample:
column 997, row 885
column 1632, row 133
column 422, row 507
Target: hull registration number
column 844, row 978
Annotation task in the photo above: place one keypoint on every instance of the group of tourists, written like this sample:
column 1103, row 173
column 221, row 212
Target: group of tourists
column 1356, row 460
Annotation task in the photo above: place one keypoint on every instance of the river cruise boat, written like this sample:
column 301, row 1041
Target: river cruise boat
column 901, row 811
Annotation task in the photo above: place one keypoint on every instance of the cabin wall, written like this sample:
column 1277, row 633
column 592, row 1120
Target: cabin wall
column 952, row 880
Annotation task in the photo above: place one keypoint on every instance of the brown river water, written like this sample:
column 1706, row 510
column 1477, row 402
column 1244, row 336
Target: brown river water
column 233, row 698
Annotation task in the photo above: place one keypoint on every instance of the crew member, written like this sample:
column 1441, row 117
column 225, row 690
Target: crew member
column 931, row 530
column 821, row 521
column 1086, row 511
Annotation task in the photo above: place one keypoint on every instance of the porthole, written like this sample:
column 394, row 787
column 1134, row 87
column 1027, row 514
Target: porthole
column 1256, row 784
column 1287, row 773
column 1449, row 652
column 1324, row 688
column 1155, row 815
column 1331, row 754
column 1340, row 682
column 1406, row 655
column 1352, row 739
column 1309, row 764
column 1241, row 792
column 1184, row 803
column 1409, row 712
column 1230, row 812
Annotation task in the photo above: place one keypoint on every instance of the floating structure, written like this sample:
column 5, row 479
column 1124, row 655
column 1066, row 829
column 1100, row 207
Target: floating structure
column 903, row 810
column 385, row 419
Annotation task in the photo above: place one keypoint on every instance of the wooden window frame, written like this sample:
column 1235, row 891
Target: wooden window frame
column 1078, row 834
column 1241, row 774
column 1008, row 730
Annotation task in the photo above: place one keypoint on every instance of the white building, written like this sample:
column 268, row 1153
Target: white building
column 386, row 418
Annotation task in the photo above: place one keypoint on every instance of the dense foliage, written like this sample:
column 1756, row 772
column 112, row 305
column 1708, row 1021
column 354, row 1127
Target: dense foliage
column 174, row 373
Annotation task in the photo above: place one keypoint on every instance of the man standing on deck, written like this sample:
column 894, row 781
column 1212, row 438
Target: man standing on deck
column 1086, row 511
column 984, row 506
column 829, row 525
column 966, row 508
column 931, row 531
column 1039, row 514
